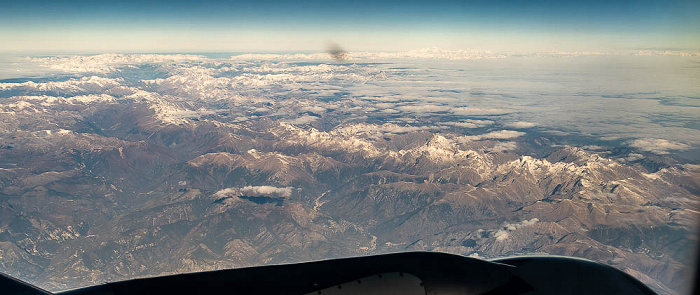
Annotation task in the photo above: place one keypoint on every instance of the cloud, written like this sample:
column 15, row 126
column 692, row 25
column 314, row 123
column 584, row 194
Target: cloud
column 424, row 108
column 470, row 111
column 520, row 125
column 424, row 53
column 666, row 53
column 501, row 235
column 469, row 123
column 658, row 146
column 504, row 146
column 429, row 53
column 227, row 192
column 298, row 56
column 620, row 53
column 255, row 190
column 268, row 190
column 396, row 129
column 384, row 105
column 504, row 232
column 436, row 53
column 315, row 109
column 632, row 157
column 500, row 134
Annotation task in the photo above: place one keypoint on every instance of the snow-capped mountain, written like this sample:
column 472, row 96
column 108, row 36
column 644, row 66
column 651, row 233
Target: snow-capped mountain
column 145, row 165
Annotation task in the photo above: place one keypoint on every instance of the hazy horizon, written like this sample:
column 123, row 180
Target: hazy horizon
column 504, row 26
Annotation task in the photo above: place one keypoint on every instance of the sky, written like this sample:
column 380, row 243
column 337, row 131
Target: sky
column 310, row 25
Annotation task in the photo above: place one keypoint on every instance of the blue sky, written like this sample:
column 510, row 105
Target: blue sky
column 196, row 26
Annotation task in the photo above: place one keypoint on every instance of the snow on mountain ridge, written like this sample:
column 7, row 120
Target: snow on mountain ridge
column 104, row 63
column 84, row 84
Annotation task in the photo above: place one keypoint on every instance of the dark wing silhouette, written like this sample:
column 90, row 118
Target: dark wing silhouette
column 402, row 273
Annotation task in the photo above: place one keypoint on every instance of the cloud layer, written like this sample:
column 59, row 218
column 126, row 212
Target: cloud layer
column 658, row 146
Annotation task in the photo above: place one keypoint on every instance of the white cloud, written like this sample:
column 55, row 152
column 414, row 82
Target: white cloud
column 501, row 235
column 268, row 190
column 255, row 190
column 665, row 53
column 384, row 105
column 227, row 192
column 315, row 109
column 521, row 125
column 632, row 157
column 504, row 146
column 504, row 232
column 391, row 128
column 424, row 108
column 469, row 123
column 436, row 53
column 658, row 146
column 500, row 134
column 429, row 53
column 390, row 111
column 298, row 56
column 424, row 53
column 620, row 53
column 470, row 111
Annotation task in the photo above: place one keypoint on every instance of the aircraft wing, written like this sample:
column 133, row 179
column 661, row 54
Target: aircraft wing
column 401, row 273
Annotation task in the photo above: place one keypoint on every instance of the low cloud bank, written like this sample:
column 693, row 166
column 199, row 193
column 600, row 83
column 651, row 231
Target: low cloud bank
column 658, row 146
